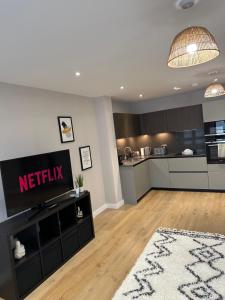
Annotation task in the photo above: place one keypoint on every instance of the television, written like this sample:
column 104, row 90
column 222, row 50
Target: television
column 31, row 181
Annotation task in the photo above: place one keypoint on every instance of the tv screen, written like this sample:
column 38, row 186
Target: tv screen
column 30, row 181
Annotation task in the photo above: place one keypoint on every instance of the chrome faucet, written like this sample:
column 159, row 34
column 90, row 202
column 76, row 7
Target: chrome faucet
column 126, row 153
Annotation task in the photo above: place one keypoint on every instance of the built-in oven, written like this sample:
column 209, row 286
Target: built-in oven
column 215, row 142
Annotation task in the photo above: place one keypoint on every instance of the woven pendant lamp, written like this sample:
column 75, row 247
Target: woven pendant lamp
column 214, row 90
column 193, row 46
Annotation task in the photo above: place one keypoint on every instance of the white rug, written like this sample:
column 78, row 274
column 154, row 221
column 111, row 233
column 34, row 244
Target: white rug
column 178, row 265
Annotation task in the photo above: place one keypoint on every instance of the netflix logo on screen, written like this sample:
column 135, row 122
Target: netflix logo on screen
column 32, row 180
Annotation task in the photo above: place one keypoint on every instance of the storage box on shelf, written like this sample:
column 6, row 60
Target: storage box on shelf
column 50, row 239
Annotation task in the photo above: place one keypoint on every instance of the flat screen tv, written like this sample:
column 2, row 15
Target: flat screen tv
column 33, row 180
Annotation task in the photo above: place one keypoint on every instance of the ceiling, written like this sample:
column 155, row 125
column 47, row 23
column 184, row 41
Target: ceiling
column 110, row 42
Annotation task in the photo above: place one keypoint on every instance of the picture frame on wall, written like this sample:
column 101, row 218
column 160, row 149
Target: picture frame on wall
column 66, row 129
column 85, row 157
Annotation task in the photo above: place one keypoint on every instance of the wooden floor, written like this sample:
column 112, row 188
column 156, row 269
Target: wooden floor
column 98, row 270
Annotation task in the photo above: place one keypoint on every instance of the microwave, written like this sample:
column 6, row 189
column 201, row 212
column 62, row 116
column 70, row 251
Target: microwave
column 215, row 128
column 215, row 142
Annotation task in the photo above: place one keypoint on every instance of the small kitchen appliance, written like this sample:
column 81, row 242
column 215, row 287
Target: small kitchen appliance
column 147, row 151
column 215, row 142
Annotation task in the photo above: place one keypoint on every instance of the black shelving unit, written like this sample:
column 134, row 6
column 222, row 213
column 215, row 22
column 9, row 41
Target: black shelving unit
column 50, row 239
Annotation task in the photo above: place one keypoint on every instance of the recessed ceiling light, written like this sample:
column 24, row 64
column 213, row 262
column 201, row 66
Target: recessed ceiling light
column 177, row 88
column 215, row 80
column 122, row 87
column 140, row 96
column 77, row 74
column 195, row 84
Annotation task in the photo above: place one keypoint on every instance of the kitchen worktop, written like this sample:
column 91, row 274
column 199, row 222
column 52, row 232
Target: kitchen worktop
column 137, row 160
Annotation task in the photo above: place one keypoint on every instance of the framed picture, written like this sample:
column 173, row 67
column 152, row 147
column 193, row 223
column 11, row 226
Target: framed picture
column 66, row 129
column 85, row 157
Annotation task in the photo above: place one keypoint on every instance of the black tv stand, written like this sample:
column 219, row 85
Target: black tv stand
column 40, row 208
column 51, row 236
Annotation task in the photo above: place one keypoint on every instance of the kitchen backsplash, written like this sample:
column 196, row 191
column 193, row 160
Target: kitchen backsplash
column 176, row 142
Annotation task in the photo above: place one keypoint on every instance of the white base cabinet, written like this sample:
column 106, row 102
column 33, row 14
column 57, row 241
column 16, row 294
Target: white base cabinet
column 196, row 181
column 135, row 182
column 216, row 173
column 216, row 181
column 179, row 173
column 188, row 164
column 159, row 173
column 188, row 173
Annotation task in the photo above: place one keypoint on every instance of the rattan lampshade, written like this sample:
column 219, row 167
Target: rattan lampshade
column 193, row 46
column 214, row 90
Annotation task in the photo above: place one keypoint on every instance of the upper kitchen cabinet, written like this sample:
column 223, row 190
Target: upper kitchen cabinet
column 214, row 110
column 154, row 122
column 184, row 118
column 126, row 125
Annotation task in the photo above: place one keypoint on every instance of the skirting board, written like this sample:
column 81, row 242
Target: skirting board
column 107, row 205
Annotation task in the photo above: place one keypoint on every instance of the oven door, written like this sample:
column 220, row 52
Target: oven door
column 215, row 152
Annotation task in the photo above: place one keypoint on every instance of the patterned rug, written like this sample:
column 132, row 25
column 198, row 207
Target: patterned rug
column 176, row 265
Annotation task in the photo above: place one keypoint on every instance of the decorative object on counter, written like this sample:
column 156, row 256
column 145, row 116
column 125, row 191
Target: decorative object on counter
column 66, row 129
column 159, row 151
column 187, row 152
column 80, row 183
column 19, row 251
column 127, row 152
column 147, row 151
column 79, row 213
column 85, row 157
column 215, row 89
column 165, row 149
column 136, row 154
column 142, row 151
column 192, row 46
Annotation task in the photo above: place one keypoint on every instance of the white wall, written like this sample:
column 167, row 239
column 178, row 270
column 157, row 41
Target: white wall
column 122, row 107
column 111, row 176
column 179, row 100
column 28, row 119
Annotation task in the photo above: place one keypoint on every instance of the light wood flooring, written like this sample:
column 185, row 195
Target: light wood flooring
column 97, row 271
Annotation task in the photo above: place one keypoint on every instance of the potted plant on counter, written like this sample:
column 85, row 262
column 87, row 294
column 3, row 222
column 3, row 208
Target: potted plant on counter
column 80, row 182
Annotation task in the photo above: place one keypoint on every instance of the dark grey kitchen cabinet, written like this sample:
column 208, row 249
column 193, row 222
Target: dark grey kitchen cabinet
column 153, row 122
column 126, row 125
column 184, row 118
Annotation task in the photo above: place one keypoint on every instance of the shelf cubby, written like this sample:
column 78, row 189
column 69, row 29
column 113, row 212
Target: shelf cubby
column 67, row 217
column 29, row 238
column 84, row 205
column 48, row 229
